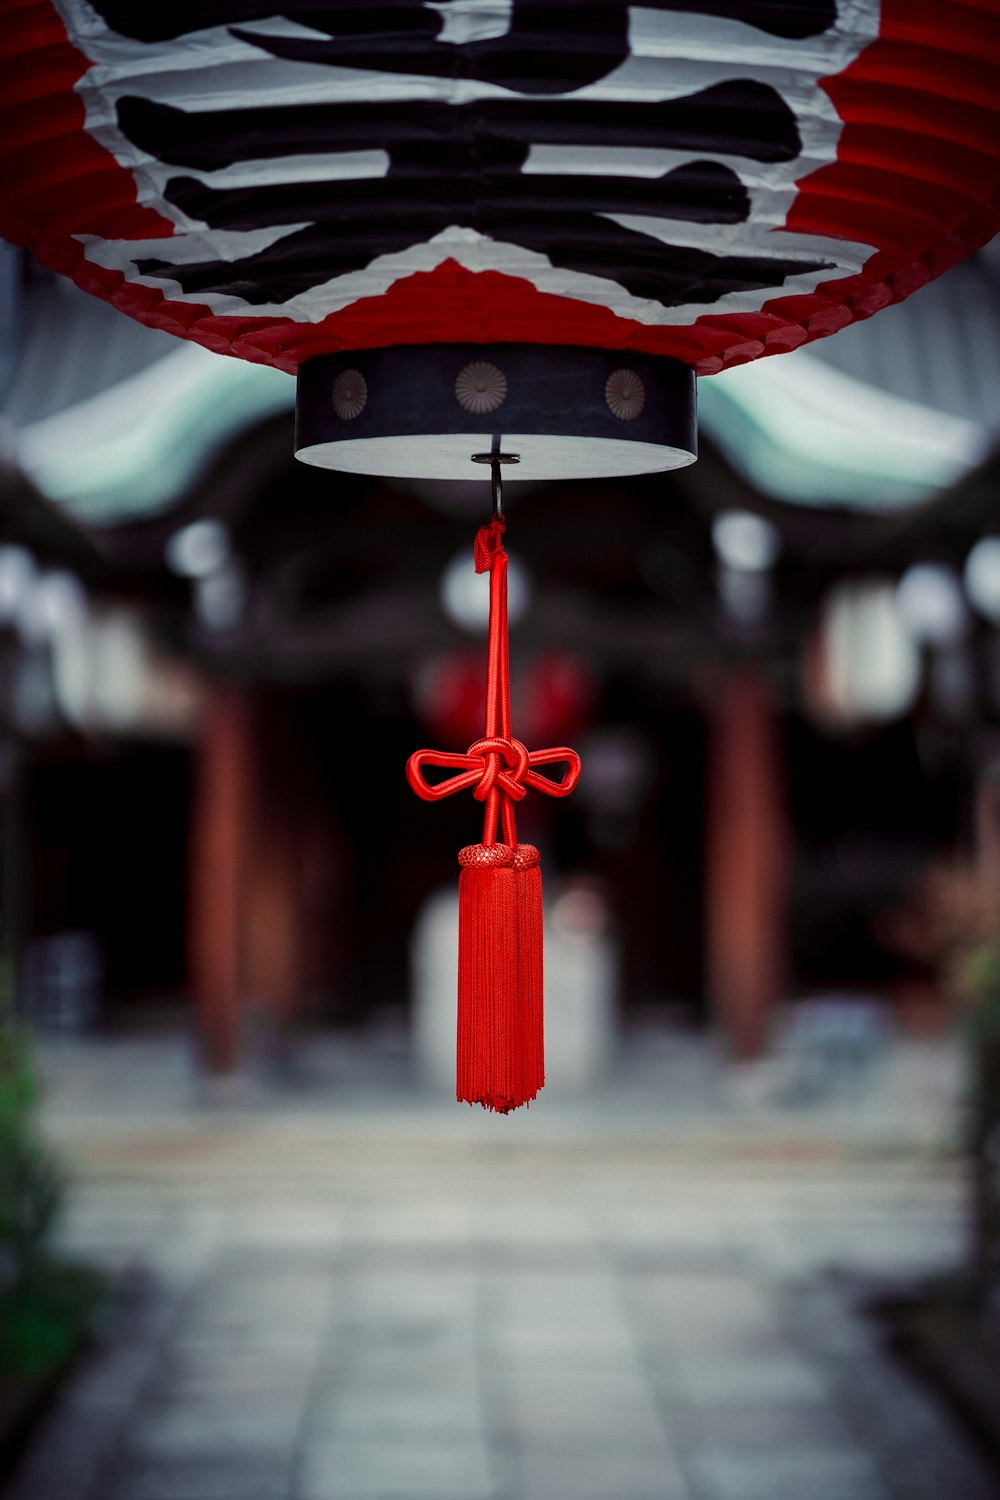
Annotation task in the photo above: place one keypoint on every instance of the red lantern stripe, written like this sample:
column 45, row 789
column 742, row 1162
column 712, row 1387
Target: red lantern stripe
column 39, row 68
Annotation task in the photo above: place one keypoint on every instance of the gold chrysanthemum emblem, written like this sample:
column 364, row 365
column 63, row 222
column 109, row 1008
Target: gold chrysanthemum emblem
column 480, row 388
column 625, row 394
column 350, row 394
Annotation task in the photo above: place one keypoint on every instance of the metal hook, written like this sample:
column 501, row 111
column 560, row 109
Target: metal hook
column 496, row 459
column 497, row 488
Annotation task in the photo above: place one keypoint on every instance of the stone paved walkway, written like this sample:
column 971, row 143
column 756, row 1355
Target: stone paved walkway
column 354, row 1292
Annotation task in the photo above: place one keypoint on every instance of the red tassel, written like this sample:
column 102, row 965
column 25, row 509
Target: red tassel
column 500, row 1054
column 501, row 1045
column 488, row 1053
column 530, row 968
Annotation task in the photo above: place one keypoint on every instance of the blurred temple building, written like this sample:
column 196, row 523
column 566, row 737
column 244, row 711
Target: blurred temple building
column 781, row 668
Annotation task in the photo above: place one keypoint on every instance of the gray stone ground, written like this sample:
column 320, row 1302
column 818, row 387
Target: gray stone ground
column 338, row 1287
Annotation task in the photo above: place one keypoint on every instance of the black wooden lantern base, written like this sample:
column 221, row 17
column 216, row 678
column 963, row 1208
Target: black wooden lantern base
column 424, row 412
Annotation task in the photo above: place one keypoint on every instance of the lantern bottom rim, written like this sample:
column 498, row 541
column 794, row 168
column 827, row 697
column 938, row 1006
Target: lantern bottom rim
column 542, row 457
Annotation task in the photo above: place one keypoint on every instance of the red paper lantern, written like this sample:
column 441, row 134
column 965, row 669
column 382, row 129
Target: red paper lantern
column 705, row 181
column 493, row 231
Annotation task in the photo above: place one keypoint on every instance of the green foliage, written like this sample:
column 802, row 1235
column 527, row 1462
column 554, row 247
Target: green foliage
column 44, row 1302
column 42, row 1315
column 30, row 1182
column 981, row 980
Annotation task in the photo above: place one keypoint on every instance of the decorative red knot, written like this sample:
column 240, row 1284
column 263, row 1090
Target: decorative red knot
column 494, row 764
column 488, row 545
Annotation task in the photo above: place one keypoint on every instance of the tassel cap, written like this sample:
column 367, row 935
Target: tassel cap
column 489, row 857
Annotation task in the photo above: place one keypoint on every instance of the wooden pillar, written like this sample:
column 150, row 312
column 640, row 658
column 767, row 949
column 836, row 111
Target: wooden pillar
column 747, row 859
column 273, row 935
column 220, row 846
column 274, row 918
column 987, row 823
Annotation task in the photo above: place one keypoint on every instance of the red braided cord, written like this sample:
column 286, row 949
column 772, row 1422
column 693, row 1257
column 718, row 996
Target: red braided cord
column 489, row 553
column 498, row 767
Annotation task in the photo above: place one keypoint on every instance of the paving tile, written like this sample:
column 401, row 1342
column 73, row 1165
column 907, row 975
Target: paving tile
column 215, row 1474
column 407, row 1317
column 531, row 1221
column 602, row 1360
column 598, row 1470
column 776, row 1376
column 377, row 1368
column 819, row 1473
column 402, row 1289
column 208, row 1369
column 382, row 1470
column 568, row 1420
column 525, row 1345
column 676, row 1300
column 442, row 1221
column 254, row 1311
column 193, row 1426
column 286, row 1225
column 663, row 1231
column 753, row 1425
column 571, row 1400
column 432, row 1411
